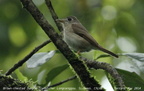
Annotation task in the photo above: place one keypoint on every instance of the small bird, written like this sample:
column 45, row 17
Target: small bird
column 78, row 38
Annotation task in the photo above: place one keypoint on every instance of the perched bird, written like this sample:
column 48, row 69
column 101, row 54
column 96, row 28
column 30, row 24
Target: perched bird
column 78, row 38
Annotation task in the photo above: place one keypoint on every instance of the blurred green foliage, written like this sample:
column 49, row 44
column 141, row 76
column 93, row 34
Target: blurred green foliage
column 117, row 25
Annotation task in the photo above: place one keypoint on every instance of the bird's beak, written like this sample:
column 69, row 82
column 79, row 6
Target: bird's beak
column 60, row 20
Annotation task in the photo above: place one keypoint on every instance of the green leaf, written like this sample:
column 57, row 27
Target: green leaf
column 20, row 76
column 39, row 59
column 102, row 56
column 137, row 56
column 132, row 80
column 137, row 61
column 55, row 72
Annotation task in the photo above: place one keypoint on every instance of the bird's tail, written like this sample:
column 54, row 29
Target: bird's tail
column 109, row 52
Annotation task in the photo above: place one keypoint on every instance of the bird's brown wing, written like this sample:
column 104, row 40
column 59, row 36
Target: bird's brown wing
column 81, row 31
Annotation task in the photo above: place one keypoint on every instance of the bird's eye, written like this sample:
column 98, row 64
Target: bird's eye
column 69, row 19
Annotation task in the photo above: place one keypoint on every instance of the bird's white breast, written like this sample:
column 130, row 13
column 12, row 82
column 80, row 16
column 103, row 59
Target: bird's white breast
column 75, row 41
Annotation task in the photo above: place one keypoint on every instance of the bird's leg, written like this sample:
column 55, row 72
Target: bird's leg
column 78, row 52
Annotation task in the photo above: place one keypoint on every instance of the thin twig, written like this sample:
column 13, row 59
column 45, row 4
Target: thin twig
column 62, row 82
column 107, row 67
column 21, row 62
column 54, row 15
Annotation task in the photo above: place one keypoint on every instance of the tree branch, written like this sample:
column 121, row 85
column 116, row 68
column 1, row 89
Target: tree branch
column 64, row 81
column 21, row 62
column 107, row 67
column 7, row 83
column 119, row 84
column 54, row 15
column 78, row 66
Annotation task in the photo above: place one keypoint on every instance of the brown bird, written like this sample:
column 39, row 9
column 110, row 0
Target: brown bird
column 78, row 38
